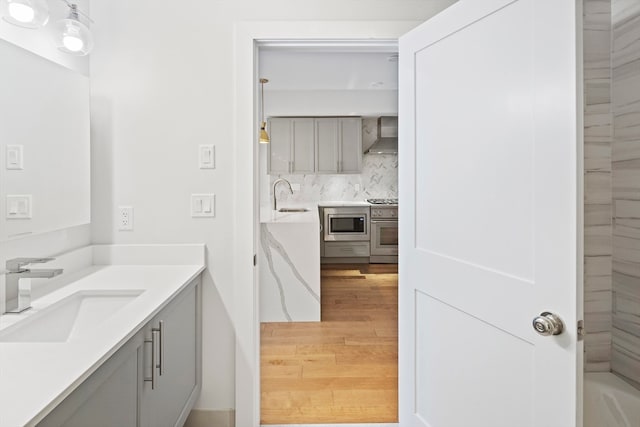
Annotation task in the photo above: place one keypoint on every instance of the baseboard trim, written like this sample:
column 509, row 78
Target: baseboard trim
column 211, row 418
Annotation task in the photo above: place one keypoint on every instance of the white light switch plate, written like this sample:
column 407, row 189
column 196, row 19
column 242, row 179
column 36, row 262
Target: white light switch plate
column 207, row 156
column 19, row 206
column 203, row 205
column 15, row 157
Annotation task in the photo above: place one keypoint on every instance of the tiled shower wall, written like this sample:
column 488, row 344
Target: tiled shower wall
column 625, row 359
column 598, row 196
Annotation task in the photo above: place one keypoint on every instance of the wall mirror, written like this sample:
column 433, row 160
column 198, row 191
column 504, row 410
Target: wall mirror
column 44, row 145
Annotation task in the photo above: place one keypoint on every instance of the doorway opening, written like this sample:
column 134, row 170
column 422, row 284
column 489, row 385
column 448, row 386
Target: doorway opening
column 328, row 354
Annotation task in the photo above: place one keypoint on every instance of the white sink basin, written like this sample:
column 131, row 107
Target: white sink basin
column 73, row 317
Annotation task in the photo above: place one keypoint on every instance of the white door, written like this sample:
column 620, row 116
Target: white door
column 489, row 218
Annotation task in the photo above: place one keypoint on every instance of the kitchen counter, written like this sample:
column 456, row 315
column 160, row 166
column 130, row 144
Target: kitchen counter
column 35, row 377
column 269, row 216
column 330, row 204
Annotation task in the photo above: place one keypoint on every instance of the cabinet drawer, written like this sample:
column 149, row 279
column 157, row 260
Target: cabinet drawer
column 346, row 249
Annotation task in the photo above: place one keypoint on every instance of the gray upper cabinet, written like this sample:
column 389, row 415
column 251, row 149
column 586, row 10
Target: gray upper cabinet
column 291, row 149
column 315, row 145
column 302, row 146
column 350, row 145
column 280, row 146
column 327, row 145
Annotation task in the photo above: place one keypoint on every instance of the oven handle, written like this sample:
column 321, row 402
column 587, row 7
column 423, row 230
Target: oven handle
column 384, row 221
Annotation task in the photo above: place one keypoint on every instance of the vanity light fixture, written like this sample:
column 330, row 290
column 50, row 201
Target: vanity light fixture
column 264, row 136
column 25, row 13
column 72, row 36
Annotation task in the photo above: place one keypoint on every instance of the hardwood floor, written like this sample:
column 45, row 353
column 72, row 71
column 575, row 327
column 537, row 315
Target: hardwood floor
column 343, row 369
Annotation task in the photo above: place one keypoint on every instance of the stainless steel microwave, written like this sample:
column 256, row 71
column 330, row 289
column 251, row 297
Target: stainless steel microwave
column 346, row 223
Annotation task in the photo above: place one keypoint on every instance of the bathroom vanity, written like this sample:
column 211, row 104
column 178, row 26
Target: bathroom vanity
column 135, row 363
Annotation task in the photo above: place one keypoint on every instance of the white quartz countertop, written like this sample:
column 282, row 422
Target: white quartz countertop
column 330, row 203
column 35, row 377
column 269, row 216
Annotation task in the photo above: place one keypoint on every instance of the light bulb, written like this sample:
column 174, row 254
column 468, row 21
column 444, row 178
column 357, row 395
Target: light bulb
column 73, row 43
column 73, row 37
column 25, row 13
column 21, row 12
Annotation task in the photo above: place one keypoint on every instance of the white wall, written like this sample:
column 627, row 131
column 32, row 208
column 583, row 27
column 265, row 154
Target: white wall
column 162, row 83
column 40, row 42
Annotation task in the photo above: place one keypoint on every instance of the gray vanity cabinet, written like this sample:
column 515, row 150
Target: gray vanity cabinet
column 107, row 398
column 120, row 392
column 177, row 376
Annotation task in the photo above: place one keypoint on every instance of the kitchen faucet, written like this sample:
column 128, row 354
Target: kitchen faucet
column 18, row 297
column 276, row 182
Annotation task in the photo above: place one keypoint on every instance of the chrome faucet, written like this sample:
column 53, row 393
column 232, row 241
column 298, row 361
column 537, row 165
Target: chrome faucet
column 276, row 182
column 18, row 296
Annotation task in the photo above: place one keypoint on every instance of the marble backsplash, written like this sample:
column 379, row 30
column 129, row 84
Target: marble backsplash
column 379, row 179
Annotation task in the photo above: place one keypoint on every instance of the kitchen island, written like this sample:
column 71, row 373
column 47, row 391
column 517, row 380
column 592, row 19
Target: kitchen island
column 289, row 260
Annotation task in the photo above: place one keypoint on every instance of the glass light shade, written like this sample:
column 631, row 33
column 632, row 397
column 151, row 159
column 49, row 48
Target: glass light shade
column 264, row 136
column 25, row 13
column 73, row 37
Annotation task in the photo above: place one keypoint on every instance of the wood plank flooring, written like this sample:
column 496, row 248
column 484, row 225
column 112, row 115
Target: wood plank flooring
column 343, row 369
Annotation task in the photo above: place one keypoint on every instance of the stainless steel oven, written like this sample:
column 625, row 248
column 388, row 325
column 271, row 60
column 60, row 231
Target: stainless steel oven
column 384, row 234
column 346, row 223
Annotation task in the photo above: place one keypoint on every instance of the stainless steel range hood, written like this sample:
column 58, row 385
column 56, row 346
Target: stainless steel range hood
column 387, row 142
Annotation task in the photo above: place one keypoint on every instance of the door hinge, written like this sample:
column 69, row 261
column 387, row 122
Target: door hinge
column 580, row 330
column 255, row 260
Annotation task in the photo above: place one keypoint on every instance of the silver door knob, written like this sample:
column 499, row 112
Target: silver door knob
column 548, row 324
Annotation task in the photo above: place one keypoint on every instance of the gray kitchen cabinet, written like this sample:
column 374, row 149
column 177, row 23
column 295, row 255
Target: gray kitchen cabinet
column 315, row 145
column 291, row 149
column 327, row 145
column 350, row 144
column 120, row 392
column 339, row 145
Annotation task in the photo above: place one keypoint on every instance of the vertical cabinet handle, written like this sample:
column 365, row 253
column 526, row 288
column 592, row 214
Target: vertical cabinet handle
column 152, row 341
column 159, row 363
column 157, row 353
column 161, row 334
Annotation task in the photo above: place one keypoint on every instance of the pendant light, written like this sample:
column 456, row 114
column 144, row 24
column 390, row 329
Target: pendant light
column 264, row 136
column 25, row 13
column 72, row 36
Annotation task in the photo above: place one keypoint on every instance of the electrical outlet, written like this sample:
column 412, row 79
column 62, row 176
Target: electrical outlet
column 125, row 218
